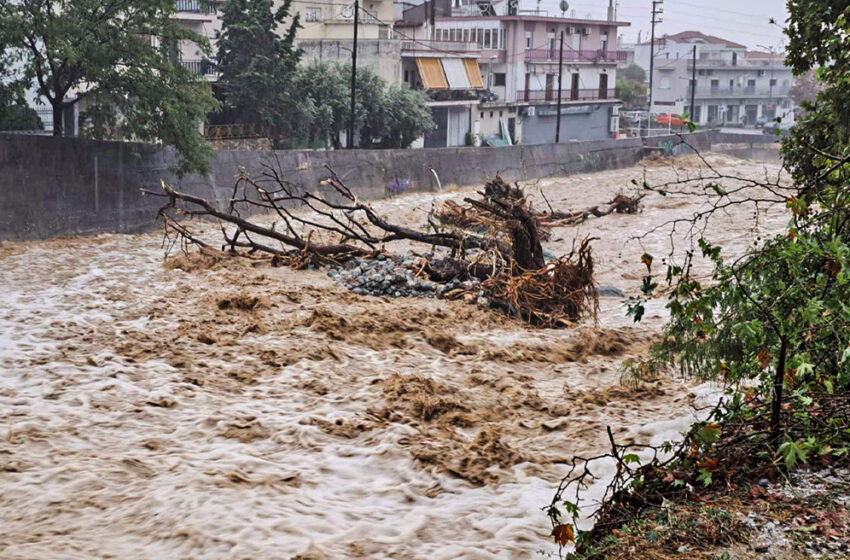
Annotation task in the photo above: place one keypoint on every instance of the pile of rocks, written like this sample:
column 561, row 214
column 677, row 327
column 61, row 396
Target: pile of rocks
column 390, row 275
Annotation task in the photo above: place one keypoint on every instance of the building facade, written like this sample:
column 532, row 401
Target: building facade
column 517, row 54
column 734, row 86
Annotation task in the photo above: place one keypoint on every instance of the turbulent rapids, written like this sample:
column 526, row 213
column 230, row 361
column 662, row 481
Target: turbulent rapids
column 223, row 408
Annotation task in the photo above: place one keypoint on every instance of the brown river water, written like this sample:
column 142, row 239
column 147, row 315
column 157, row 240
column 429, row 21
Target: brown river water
column 142, row 417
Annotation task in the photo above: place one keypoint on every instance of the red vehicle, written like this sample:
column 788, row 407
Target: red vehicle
column 671, row 119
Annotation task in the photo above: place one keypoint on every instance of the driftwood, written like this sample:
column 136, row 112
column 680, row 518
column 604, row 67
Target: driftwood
column 502, row 248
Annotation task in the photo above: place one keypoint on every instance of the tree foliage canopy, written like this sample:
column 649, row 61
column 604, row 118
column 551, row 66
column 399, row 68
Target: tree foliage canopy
column 779, row 314
column 120, row 58
column 257, row 65
column 385, row 116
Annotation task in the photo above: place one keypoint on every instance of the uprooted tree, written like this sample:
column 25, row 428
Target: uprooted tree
column 497, row 245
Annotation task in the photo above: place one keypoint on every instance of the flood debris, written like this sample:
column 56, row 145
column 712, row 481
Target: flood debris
column 487, row 251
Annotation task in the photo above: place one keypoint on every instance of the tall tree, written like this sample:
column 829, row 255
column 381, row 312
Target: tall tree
column 258, row 64
column 119, row 58
column 385, row 116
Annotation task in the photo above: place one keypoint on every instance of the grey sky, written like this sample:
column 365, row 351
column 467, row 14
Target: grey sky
column 745, row 22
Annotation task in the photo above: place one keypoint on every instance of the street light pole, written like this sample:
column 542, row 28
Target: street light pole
column 560, row 86
column 350, row 142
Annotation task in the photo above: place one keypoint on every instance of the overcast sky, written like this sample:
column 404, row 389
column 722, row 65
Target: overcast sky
column 745, row 22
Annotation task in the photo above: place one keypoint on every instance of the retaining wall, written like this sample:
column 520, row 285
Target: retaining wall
column 56, row 186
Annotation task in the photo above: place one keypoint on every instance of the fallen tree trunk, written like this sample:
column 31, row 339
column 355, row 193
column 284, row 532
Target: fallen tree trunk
column 508, row 262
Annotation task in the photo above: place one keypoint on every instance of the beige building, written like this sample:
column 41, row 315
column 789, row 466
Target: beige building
column 334, row 20
column 326, row 33
column 200, row 16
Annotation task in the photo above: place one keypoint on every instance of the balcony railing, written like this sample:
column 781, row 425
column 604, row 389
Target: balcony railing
column 199, row 67
column 195, row 6
column 534, row 96
column 597, row 55
column 749, row 64
column 436, row 47
column 743, row 91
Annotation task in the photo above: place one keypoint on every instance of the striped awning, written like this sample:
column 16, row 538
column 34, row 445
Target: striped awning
column 431, row 72
column 455, row 73
column 473, row 73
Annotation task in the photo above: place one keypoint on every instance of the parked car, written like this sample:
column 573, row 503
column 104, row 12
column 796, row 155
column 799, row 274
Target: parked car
column 671, row 119
column 774, row 128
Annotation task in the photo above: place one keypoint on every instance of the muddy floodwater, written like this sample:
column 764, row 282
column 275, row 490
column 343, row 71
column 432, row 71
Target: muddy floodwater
column 228, row 410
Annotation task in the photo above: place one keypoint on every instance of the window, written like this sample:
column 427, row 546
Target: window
column 715, row 85
column 313, row 14
column 486, row 38
column 491, row 114
column 772, row 82
column 529, row 40
column 407, row 76
column 482, row 114
column 501, row 114
column 499, row 79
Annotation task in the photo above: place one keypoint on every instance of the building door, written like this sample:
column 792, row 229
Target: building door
column 527, row 86
column 712, row 113
column 550, row 41
column 603, row 86
column 574, row 87
column 752, row 112
column 550, row 86
column 697, row 113
column 512, row 128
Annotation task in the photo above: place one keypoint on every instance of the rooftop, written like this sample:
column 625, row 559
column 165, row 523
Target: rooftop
column 696, row 37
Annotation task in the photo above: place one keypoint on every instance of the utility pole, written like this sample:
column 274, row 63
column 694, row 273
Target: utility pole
column 350, row 142
column 560, row 86
column 656, row 11
column 693, row 82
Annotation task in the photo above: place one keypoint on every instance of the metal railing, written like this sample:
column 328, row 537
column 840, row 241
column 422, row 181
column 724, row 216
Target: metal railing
column 235, row 131
column 439, row 46
column 566, row 95
column 570, row 55
column 743, row 91
column 199, row 67
column 195, row 6
column 757, row 63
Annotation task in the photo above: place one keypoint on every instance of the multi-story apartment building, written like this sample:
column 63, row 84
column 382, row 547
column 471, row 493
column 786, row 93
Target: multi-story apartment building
column 200, row 16
column 326, row 33
column 517, row 52
column 734, row 86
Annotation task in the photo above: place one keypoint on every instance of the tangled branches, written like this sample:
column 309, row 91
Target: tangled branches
column 494, row 240
column 552, row 295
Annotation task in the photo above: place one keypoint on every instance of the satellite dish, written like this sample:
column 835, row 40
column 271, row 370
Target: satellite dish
column 564, row 6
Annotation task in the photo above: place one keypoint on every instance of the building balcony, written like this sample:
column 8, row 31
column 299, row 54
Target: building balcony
column 595, row 56
column 740, row 64
column 199, row 67
column 439, row 49
column 567, row 95
column 726, row 92
column 195, row 10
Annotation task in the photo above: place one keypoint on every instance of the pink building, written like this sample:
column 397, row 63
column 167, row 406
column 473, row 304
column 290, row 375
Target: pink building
column 518, row 56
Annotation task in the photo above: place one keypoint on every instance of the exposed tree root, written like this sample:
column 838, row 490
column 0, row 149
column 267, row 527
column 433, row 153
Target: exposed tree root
column 495, row 240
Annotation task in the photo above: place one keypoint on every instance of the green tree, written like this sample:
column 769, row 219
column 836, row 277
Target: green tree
column 632, row 72
column 779, row 314
column 407, row 117
column 258, row 65
column 631, row 82
column 385, row 117
column 119, row 59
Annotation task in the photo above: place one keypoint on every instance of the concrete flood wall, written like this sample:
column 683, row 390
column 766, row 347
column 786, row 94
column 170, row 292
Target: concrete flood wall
column 54, row 186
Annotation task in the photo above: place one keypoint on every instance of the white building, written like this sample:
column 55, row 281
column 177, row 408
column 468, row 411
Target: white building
column 734, row 86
